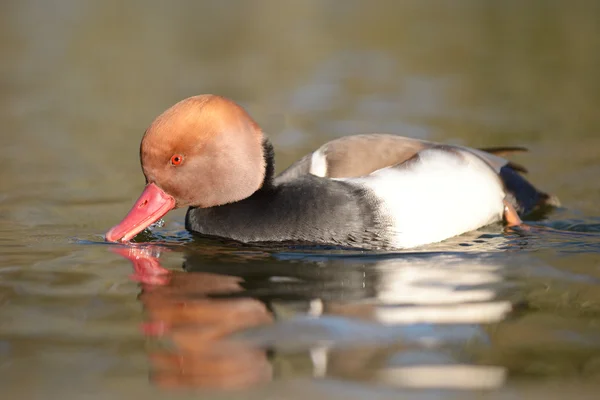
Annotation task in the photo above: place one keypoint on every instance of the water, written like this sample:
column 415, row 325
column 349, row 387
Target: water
column 500, row 314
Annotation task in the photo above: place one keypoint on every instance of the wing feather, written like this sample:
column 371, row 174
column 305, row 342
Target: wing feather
column 361, row 155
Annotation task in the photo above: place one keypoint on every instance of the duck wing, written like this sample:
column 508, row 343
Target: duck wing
column 361, row 155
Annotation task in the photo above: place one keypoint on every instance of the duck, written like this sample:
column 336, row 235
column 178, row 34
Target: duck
column 366, row 191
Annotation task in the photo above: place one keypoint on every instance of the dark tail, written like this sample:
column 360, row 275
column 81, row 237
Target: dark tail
column 523, row 196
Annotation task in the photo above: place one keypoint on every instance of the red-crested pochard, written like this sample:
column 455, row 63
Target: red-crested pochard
column 366, row 191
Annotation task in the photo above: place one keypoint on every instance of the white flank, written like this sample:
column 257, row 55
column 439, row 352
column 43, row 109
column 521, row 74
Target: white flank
column 450, row 376
column 318, row 163
column 440, row 195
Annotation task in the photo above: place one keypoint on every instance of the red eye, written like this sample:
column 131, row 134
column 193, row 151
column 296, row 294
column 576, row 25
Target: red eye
column 176, row 159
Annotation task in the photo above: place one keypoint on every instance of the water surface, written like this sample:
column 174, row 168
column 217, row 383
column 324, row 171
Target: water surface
column 502, row 313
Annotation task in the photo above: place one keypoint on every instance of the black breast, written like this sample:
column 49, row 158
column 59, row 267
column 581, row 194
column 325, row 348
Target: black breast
column 307, row 209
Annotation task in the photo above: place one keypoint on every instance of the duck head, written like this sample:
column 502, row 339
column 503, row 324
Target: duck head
column 205, row 151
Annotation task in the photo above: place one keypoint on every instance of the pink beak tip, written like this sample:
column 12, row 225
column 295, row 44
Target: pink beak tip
column 152, row 205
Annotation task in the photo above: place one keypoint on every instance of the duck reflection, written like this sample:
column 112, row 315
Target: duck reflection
column 186, row 309
column 403, row 320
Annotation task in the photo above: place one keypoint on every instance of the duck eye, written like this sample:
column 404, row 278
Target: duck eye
column 176, row 159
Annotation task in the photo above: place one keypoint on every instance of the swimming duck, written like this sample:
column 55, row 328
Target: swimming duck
column 366, row 191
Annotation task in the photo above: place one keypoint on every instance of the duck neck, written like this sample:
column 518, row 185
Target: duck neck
column 269, row 155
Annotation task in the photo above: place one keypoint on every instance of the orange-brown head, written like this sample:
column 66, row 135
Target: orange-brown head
column 204, row 151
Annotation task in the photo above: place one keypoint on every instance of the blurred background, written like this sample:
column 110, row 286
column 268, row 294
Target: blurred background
column 80, row 81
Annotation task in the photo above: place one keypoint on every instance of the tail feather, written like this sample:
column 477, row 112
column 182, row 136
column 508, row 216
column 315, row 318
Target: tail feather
column 503, row 151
